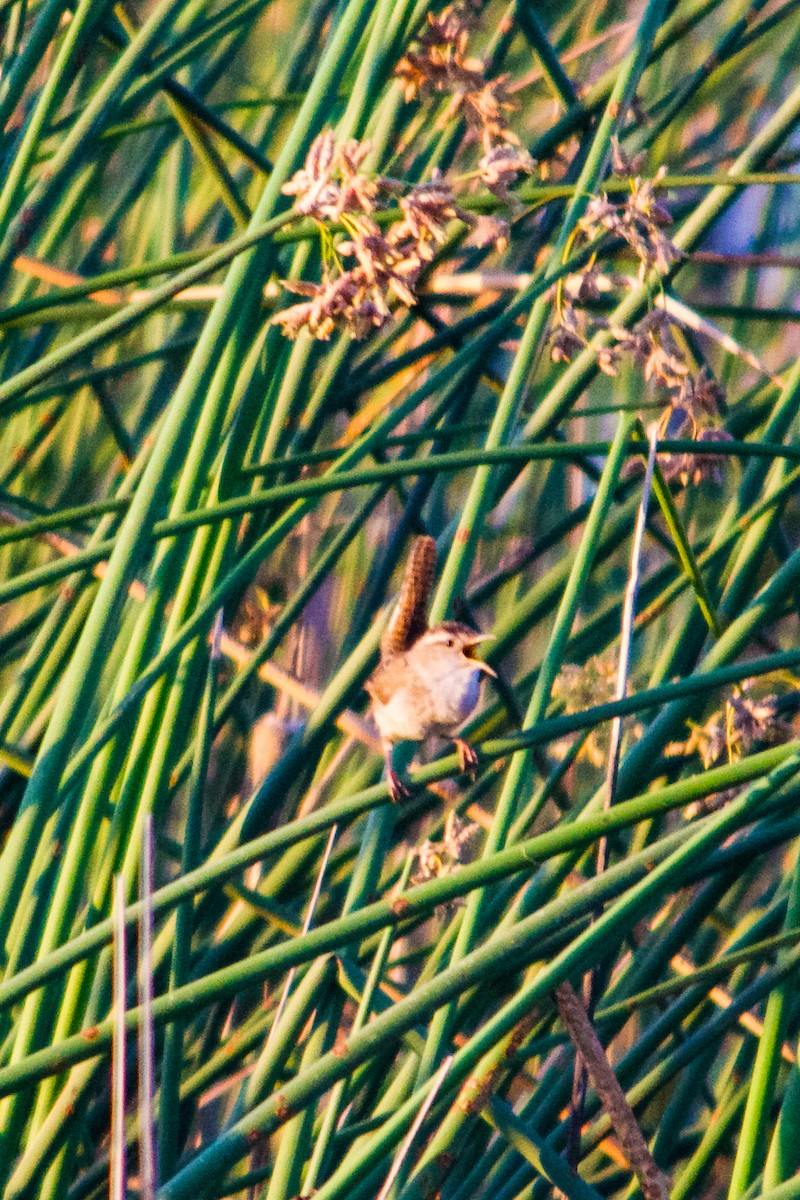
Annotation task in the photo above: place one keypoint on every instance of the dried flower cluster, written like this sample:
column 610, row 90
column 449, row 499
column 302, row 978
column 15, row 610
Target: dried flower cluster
column 639, row 221
column 321, row 195
column 440, row 65
column 582, row 687
column 652, row 345
column 503, row 166
column 331, row 187
column 744, row 724
column 694, row 402
column 695, row 466
column 488, row 231
column 437, row 859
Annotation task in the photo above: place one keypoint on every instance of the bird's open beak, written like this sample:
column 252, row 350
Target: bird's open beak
column 469, row 650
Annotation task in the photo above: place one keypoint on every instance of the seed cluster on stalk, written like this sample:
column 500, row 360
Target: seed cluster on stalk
column 744, row 724
column 437, row 859
column 693, row 401
column 333, row 188
column 582, row 686
column 440, row 65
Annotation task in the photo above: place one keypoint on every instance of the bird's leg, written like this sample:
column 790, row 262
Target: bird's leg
column 467, row 758
column 397, row 789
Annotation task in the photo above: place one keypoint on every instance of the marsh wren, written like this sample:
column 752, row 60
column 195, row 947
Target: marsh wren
column 429, row 680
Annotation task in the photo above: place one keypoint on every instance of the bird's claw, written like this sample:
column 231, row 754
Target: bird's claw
column 397, row 789
column 467, row 757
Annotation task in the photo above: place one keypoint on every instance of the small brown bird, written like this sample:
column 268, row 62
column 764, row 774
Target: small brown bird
column 428, row 681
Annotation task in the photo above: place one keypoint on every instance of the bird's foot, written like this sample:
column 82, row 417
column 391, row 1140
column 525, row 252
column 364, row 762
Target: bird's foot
column 397, row 789
column 467, row 757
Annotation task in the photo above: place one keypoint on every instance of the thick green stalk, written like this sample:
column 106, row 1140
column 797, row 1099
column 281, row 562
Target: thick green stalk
column 15, row 80
column 222, row 867
column 169, row 1104
column 300, row 1091
column 433, row 464
column 515, row 781
column 87, row 15
column 45, row 194
column 174, row 436
column 536, row 34
column 106, row 330
column 417, row 901
column 751, row 1146
column 783, row 1157
column 322, row 1146
column 296, row 1137
column 480, row 494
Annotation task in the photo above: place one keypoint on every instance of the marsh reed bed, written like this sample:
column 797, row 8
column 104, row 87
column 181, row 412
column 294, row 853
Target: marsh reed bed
column 286, row 285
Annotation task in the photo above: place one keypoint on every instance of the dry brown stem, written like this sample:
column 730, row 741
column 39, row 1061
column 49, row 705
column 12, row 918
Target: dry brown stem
column 652, row 1180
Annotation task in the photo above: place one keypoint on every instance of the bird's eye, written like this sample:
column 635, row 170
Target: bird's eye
column 450, row 643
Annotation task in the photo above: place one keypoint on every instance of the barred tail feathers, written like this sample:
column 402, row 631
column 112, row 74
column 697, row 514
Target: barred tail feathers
column 410, row 617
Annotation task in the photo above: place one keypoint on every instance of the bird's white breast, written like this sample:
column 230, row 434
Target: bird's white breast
column 455, row 696
column 400, row 718
column 431, row 691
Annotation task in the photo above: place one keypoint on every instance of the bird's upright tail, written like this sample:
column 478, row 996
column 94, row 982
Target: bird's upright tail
column 410, row 617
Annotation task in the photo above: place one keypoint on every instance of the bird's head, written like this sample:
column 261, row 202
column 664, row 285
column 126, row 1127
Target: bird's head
column 452, row 646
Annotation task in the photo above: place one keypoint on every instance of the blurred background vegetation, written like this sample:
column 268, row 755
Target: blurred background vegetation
column 547, row 260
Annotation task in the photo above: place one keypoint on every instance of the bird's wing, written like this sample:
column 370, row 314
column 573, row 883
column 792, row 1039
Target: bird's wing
column 380, row 685
column 410, row 617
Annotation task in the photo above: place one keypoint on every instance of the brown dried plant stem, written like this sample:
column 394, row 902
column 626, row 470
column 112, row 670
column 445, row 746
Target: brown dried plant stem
column 578, row 1098
column 574, row 1017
